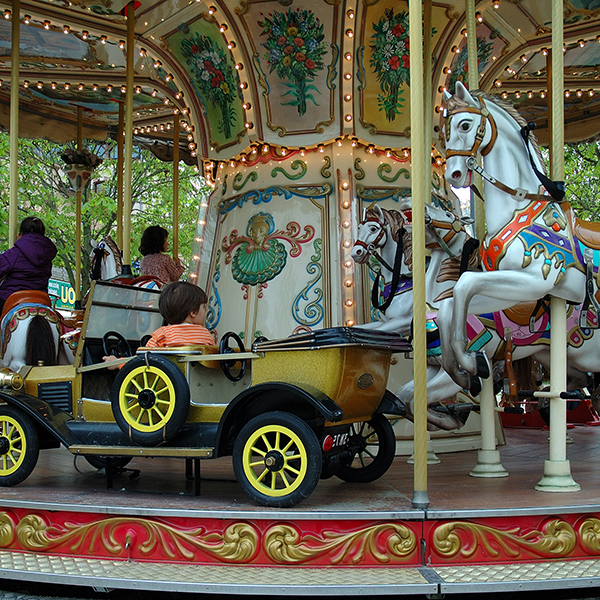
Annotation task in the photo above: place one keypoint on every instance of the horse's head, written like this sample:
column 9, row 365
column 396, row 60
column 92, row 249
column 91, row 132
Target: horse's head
column 105, row 259
column 441, row 225
column 378, row 228
column 470, row 130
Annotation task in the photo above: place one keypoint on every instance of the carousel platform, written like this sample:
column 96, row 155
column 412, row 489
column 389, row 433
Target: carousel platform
column 151, row 531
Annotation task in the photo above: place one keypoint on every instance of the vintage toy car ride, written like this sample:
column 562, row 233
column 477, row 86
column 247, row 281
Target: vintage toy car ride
column 290, row 411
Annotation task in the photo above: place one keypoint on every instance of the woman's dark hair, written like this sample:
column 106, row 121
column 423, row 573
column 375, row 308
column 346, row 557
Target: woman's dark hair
column 177, row 300
column 32, row 225
column 153, row 240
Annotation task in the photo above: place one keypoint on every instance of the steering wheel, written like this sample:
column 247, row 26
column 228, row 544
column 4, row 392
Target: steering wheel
column 227, row 365
column 114, row 344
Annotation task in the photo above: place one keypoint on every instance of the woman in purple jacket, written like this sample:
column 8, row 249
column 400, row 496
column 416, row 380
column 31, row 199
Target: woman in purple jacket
column 28, row 264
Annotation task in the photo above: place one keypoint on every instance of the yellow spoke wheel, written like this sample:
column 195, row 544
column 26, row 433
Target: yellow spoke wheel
column 19, row 446
column 150, row 399
column 277, row 459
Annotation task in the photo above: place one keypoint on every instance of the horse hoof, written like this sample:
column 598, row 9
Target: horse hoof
column 484, row 369
column 475, row 387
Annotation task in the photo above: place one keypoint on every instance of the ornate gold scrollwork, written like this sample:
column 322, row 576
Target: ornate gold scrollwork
column 285, row 545
column 557, row 538
column 7, row 530
column 237, row 543
column 589, row 534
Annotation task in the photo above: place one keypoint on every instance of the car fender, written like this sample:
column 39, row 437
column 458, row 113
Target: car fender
column 302, row 400
column 391, row 405
column 47, row 417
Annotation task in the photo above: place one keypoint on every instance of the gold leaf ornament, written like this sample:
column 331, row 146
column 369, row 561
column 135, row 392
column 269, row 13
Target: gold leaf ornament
column 7, row 530
column 237, row 543
column 32, row 533
column 284, row 544
column 556, row 538
column 589, row 533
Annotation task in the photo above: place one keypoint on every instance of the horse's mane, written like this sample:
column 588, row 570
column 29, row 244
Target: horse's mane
column 454, row 102
column 116, row 253
column 395, row 220
column 514, row 113
column 450, row 271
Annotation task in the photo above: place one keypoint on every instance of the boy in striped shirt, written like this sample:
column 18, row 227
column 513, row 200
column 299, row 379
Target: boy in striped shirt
column 183, row 306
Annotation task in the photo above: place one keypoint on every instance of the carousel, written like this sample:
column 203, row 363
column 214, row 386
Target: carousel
column 381, row 234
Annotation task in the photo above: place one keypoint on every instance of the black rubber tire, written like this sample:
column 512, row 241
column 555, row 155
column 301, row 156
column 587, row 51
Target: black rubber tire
column 366, row 466
column 290, row 480
column 99, row 462
column 150, row 399
column 19, row 446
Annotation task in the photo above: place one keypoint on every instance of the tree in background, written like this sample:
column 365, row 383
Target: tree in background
column 582, row 178
column 44, row 189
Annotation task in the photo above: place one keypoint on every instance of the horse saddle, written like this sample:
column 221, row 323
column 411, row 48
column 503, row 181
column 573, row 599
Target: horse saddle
column 25, row 296
column 587, row 232
column 522, row 312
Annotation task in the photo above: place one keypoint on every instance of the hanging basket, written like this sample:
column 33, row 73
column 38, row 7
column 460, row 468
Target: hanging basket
column 79, row 176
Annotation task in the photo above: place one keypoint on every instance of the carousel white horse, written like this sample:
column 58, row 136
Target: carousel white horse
column 382, row 235
column 375, row 238
column 534, row 245
column 106, row 264
column 105, row 259
column 489, row 332
column 31, row 332
column 451, row 253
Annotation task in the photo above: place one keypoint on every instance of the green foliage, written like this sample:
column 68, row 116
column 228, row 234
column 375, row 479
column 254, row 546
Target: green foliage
column 44, row 190
column 582, row 178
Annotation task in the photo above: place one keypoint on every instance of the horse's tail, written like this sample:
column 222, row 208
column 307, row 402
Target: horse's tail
column 40, row 344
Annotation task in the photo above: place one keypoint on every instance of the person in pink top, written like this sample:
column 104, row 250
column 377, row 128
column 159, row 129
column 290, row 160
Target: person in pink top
column 183, row 306
column 156, row 264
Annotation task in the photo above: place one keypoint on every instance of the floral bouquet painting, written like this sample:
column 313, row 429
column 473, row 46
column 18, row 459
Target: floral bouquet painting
column 390, row 60
column 214, row 76
column 295, row 44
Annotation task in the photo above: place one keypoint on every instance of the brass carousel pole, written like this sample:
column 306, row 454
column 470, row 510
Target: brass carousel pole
column 176, row 187
column 488, row 458
column 420, row 497
column 557, row 469
column 120, row 175
column 78, row 217
column 128, row 141
column 477, row 209
column 14, row 121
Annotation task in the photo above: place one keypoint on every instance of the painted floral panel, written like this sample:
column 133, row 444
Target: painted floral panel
column 384, row 64
column 201, row 48
column 292, row 49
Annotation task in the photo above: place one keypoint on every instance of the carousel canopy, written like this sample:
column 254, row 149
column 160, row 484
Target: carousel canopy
column 240, row 73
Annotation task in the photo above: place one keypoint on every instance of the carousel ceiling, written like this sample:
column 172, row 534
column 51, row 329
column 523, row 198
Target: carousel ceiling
column 243, row 74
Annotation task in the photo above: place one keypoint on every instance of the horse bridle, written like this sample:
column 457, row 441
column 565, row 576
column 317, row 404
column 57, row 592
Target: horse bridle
column 485, row 116
column 453, row 228
column 555, row 190
column 100, row 253
column 371, row 247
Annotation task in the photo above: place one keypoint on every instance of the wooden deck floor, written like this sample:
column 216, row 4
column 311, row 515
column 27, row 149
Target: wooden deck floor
column 161, row 483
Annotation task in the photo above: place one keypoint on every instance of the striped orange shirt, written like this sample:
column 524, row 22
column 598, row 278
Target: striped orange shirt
column 181, row 334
